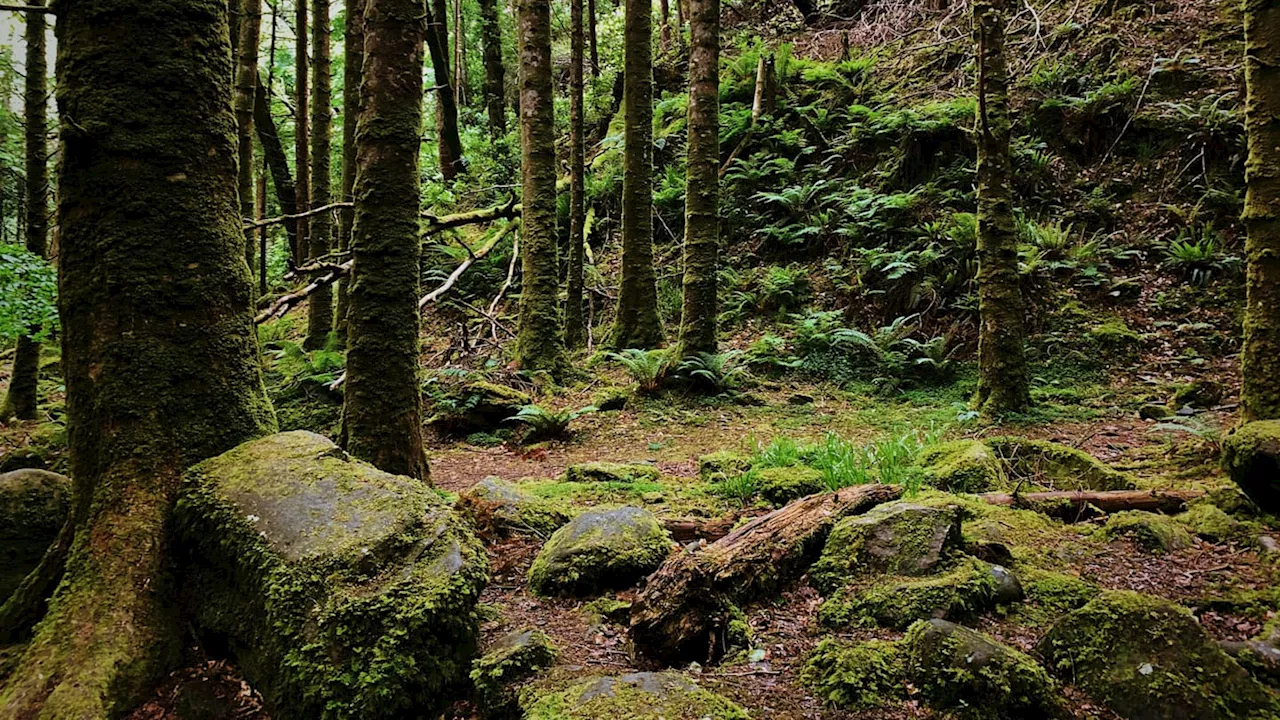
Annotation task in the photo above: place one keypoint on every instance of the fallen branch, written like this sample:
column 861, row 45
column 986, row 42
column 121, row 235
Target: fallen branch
column 285, row 303
column 1074, row 504
column 255, row 224
column 462, row 267
column 439, row 223
column 28, row 8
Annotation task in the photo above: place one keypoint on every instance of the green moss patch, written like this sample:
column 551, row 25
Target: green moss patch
column 719, row 466
column 513, row 659
column 965, row 591
column 779, row 486
column 1150, row 531
column 611, row 472
column 635, row 696
column 857, row 676
column 1251, row 456
column 963, row 466
column 496, row 505
column 898, row 538
column 600, row 550
column 974, row 466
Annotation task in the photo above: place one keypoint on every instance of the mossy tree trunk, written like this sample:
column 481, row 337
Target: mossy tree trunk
column 494, row 73
column 701, row 203
column 448, row 144
column 21, row 399
column 574, row 319
column 540, row 336
column 276, row 160
column 591, row 38
column 158, row 342
column 353, row 63
column 248, row 27
column 637, row 324
column 320, row 304
column 382, row 414
column 1003, row 379
column 301, row 136
column 1260, row 370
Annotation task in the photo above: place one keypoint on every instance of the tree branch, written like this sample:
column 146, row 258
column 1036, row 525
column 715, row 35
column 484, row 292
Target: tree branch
column 255, row 224
column 285, row 303
column 462, row 267
column 29, row 8
column 436, row 223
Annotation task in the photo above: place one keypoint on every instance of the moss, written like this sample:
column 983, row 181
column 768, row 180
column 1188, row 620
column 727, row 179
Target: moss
column 780, row 486
column 1151, row 531
column 1251, row 456
column 608, row 610
column 611, row 472
column 1199, row 393
column 474, row 406
column 33, row 506
column 722, row 465
column 1147, row 658
column 966, row 466
column 495, row 505
column 611, row 398
column 897, row 538
column 856, row 676
column 514, row 658
column 1115, row 336
column 1056, row 467
column 636, row 696
column 738, row 634
column 1210, row 522
column 600, row 550
column 971, row 676
column 963, row 592
column 1027, row 536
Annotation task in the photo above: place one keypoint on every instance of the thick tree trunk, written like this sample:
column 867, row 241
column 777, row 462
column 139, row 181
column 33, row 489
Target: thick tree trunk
column 249, row 27
column 21, row 399
column 494, row 73
column 591, row 38
column 448, row 144
column 637, row 324
column 1260, row 367
column 540, row 337
column 682, row 612
column 353, row 63
column 1003, row 378
column 382, row 414
column 320, row 306
column 277, row 162
column 158, row 346
column 301, row 139
column 701, row 203
column 574, row 318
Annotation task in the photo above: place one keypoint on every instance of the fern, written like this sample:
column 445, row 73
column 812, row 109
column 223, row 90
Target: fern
column 646, row 367
column 546, row 424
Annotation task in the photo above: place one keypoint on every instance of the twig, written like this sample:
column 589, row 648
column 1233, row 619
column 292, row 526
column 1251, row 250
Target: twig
column 284, row 303
column 462, row 267
column 255, row 224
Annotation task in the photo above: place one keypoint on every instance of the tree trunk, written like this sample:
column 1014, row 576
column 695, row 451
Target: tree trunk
column 459, row 56
column 277, row 162
column 320, row 306
column 1003, row 378
column 158, row 346
column 21, row 399
column 260, row 213
column 353, row 63
column 448, row 144
column 681, row 613
column 591, row 38
column 1260, row 367
column 249, row 27
column 701, row 204
column 382, row 414
column 637, row 324
column 664, row 31
column 494, row 80
column 540, row 336
column 301, row 139
column 574, row 319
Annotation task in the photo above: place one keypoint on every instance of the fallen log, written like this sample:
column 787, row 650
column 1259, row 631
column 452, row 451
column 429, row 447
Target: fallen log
column 1072, row 505
column 683, row 611
column 687, row 530
column 438, row 223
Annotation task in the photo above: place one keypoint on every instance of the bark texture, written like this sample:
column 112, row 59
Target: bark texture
column 382, row 415
column 320, row 306
column 21, row 399
column 701, row 200
column 494, row 72
column 352, row 69
column 637, row 324
column 540, row 336
column 574, row 316
column 1003, row 378
column 249, row 27
column 591, row 38
column 448, row 144
column 158, row 345
column 277, row 161
column 1260, row 370
column 301, row 138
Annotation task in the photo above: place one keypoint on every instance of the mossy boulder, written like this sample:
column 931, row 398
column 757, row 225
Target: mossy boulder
column 899, row 538
column 634, row 696
column 600, row 550
column 1260, row 655
column 779, row 486
column 1202, row 394
column 475, row 406
column 1050, row 595
column 513, row 659
column 856, row 676
column 1251, row 456
column 969, row 675
column 494, row 503
column 1206, row 520
column 33, row 507
column 612, row 472
column 968, row 589
column 1150, row 531
column 964, row 466
column 1052, row 466
column 611, row 398
column 341, row 591
column 1148, row 659
column 722, row 465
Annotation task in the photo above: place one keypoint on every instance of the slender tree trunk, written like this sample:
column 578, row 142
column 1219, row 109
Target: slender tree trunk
column 540, row 338
column 1260, row 371
column 260, row 213
column 320, row 304
column 664, row 31
column 382, row 414
column 494, row 80
column 249, row 27
column 701, row 205
column 459, row 56
column 21, row 399
column 591, row 38
column 637, row 324
column 161, row 363
column 1003, row 379
column 276, row 161
column 448, row 144
column 574, row 320
column 302, row 137
column 353, row 50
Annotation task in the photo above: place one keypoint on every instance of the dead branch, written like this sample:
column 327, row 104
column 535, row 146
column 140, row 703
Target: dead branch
column 255, row 224
column 28, row 8
column 438, row 223
column 285, row 303
column 1071, row 505
column 462, row 267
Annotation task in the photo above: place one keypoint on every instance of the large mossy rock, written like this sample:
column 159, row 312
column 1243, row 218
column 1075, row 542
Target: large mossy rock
column 966, row 590
column 497, row 505
column 1148, row 659
column 962, row 466
column 899, row 538
column 33, row 506
column 476, row 406
column 973, row 466
column 971, row 676
column 342, row 591
column 612, row 472
column 1251, row 456
column 600, row 550
column 635, row 696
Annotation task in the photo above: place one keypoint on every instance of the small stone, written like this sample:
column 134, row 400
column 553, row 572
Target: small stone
column 514, row 658
column 1186, row 411
column 722, row 465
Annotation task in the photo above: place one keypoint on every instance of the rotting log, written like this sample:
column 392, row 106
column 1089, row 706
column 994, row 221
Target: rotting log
column 437, row 223
column 684, row 608
column 1076, row 505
